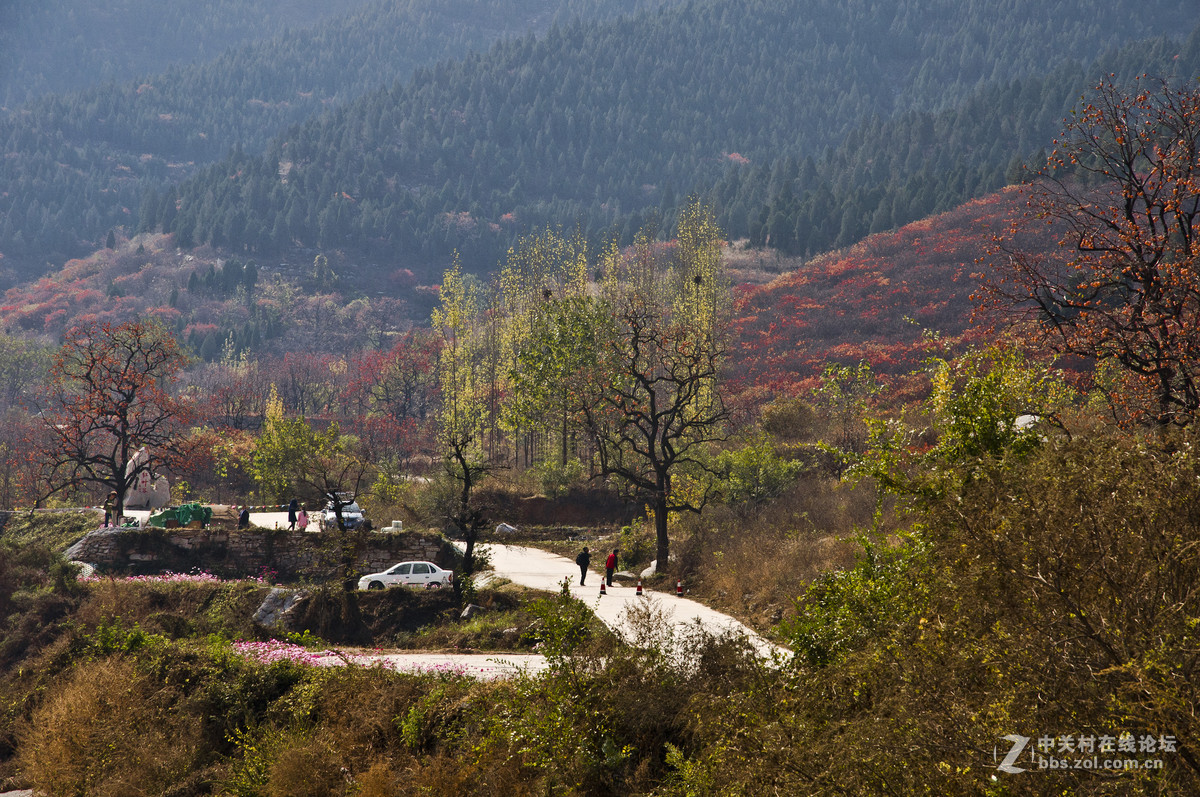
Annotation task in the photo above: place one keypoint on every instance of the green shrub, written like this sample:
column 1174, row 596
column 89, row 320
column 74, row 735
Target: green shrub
column 563, row 625
column 844, row 610
column 756, row 474
column 556, row 479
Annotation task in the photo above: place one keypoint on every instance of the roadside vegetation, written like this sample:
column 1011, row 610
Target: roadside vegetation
column 56, row 530
column 1043, row 585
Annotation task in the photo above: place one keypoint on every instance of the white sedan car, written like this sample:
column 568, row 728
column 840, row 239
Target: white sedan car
column 412, row 574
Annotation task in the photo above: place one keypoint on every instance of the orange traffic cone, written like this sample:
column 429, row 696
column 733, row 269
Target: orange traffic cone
column 679, row 588
column 602, row 591
column 639, row 589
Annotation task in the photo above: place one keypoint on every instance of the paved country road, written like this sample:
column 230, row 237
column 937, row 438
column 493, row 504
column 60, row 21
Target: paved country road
column 532, row 567
column 484, row 666
column 672, row 617
column 619, row 609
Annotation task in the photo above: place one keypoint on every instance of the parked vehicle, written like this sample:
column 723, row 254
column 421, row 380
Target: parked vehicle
column 352, row 516
column 412, row 574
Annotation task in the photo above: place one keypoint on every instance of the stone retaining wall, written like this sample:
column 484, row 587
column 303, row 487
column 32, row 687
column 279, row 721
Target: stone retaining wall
column 248, row 552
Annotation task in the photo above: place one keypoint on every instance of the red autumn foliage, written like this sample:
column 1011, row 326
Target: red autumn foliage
column 110, row 395
column 400, row 382
column 1121, row 194
column 20, row 434
column 872, row 302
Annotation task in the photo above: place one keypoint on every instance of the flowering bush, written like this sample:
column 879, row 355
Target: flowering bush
column 273, row 650
column 166, row 577
column 265, row 576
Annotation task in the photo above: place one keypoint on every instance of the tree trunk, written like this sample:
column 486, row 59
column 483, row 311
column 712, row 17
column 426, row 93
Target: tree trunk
column 119, row 505
column 468, row 529
column 1166, row 377
column 660, row 530
column 563, row 460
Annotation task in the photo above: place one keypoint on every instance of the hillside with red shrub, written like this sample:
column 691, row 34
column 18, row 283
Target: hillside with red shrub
column 874, row 301
column 212, row 301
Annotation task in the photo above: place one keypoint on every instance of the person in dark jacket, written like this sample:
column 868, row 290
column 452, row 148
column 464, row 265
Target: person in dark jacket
column 583, row 560
column 244, row 518
column 293, row 508
column 610, row 566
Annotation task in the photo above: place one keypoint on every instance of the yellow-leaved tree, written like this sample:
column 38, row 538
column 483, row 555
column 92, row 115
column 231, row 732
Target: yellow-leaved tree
column 543, row 276
column 463, row 409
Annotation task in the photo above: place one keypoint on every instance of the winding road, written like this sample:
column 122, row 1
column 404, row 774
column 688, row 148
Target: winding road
column 538, row 569
column 621, row 608
column 651, row 618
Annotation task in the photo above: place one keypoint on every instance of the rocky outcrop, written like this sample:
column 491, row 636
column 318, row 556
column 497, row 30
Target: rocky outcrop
column 276, row 606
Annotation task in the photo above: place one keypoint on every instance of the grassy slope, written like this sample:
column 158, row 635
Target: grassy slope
column 55, row 530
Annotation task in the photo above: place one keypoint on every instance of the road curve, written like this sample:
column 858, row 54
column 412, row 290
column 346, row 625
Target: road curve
column 538, row 569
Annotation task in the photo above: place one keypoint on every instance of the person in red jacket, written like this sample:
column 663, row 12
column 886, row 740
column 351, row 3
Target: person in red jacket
column 610, row 565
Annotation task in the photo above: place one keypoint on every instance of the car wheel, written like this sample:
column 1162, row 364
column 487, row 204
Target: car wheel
column 434, row 585
column 375, row 585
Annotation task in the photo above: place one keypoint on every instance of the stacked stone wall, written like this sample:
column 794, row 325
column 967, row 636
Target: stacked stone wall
column 248, row 552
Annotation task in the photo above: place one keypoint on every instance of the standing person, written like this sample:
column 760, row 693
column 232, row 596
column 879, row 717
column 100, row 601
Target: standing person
column 244, row 518
column 110, row 506
column 302, row 519
column 583, row 560
column 292, row 507
column 610, row 565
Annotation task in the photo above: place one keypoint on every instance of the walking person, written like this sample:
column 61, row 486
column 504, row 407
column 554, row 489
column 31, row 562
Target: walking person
column 583, row 560
column 610, row 566
column 302, row 519
column 292, row 508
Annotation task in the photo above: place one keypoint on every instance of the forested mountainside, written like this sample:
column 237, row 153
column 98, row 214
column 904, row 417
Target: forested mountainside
column 870, row 302
column 78, row 163
column 609, row 125
column 63, row 45
column 808, row 126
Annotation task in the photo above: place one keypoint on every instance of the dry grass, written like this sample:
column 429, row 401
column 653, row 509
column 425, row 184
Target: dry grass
column 107, row 730
column 754, row 563
column 747, row 265
column 55, row 530
column 379, row 781
column 307, row 767
column 758, row 579
column 176, row 610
